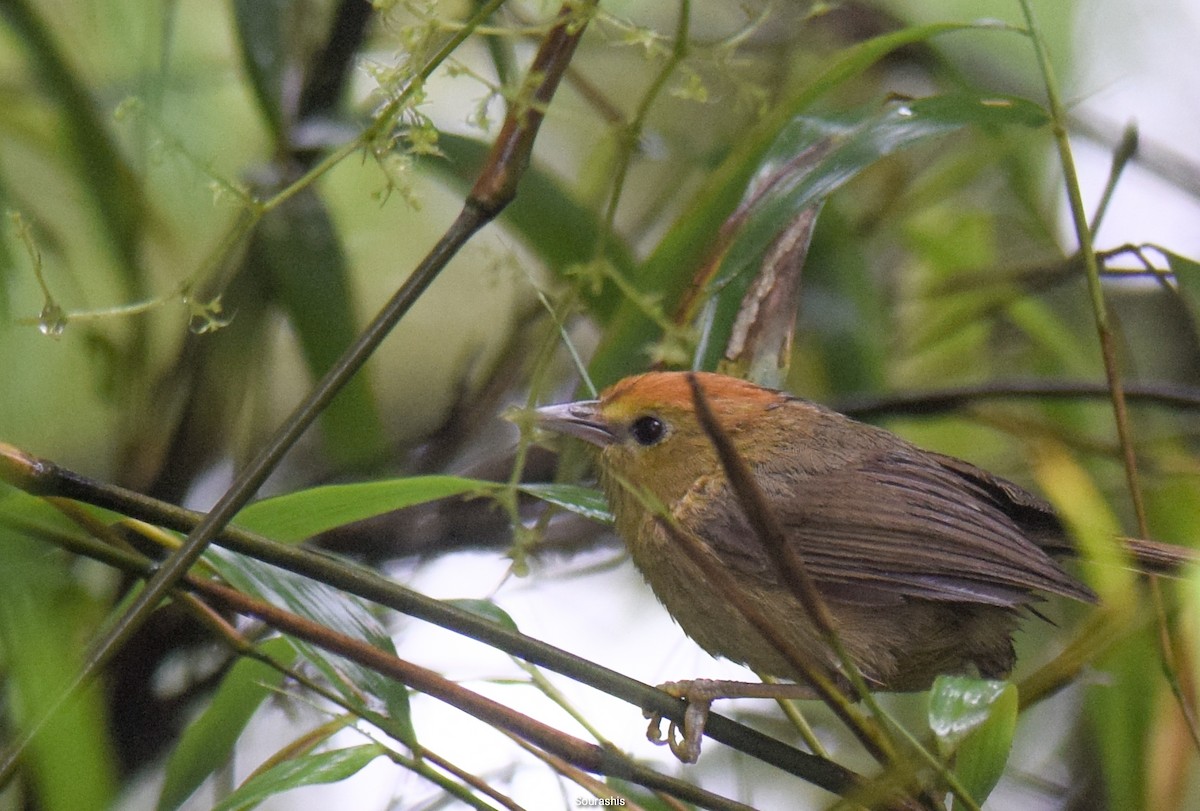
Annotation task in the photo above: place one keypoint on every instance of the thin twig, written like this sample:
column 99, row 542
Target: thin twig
column 935, row 401
column 797, row 719
column 1112, row 372
column 631, row 133
column 494, row 189
column 1091, row 265
column 794, row 574
column 44, row 478
column 583, row 755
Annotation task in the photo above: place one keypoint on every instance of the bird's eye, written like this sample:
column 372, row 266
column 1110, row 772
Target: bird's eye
column 647, row 430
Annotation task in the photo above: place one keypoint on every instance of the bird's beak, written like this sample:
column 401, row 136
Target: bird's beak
column 579, row 419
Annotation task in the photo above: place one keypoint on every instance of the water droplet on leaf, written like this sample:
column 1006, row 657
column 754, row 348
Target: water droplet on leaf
column 52, row 320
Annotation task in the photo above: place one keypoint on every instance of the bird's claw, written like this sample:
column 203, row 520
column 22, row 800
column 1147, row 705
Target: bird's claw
column 699, row 696
column 686, row 747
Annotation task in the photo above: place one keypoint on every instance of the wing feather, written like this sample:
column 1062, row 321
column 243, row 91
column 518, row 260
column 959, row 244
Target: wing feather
column 894, row 525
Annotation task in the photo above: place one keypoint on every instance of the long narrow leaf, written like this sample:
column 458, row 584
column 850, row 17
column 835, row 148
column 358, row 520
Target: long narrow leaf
column 302, row 514
column 42, row 618
column 669, row 268
column 371, row 694
column 814, row 156
column 310, row 770
column 299, row 515
column 261, row 27
column 207, row 743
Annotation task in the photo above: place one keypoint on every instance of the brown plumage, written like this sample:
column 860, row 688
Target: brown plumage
column 925, row 561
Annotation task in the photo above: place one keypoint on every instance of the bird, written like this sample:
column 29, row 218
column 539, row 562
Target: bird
column 925, row 563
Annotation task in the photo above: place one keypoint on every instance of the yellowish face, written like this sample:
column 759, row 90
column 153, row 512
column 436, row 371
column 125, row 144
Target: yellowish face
column 647, row 430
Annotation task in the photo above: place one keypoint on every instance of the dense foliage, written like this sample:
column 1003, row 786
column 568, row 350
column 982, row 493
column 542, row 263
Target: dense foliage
column 207, row 203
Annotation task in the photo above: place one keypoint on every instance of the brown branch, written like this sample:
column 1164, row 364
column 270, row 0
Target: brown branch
column 581, row 754
column 795, row 577
column 44, row 478
column 935, row 401
column 509, row 158
column 492, row 192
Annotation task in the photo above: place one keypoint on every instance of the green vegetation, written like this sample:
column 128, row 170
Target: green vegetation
column 207, row 203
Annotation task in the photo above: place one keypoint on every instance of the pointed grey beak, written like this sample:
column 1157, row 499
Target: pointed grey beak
column 579, row 419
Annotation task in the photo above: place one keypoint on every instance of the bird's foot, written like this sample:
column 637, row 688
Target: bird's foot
column 699, row 695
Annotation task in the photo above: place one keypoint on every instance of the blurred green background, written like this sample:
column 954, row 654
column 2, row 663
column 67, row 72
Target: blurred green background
column 157, row 320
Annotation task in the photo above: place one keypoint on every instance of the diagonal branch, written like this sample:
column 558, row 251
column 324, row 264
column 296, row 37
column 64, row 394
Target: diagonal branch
column 795, row 576
column 44, row 478
column 577, row 752
column 492, row 192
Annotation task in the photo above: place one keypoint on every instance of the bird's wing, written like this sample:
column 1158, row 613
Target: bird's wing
column 895, row 525
column 1031, row 513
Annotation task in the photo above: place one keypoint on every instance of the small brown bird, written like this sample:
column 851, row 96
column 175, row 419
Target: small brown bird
column 924, row 561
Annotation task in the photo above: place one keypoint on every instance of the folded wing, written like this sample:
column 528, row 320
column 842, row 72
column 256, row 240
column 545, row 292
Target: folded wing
column 901, row 524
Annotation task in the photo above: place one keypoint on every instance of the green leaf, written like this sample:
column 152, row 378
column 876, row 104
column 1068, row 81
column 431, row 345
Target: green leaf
column 1080, row 502
column 1187, row 277
column 309, row 770
column 1122, row 712
column 44, row 616
column 669, row 268
column 300, row 515
column 845, row 145
column 585, row 501
column 20, row 508
column 297, row 248
column 814, row 156
column 988, row 111
column 973, row 720
column 367, row 691
column 488, row 610
column 207, row 743
column 260, row 29
column 1187, row 271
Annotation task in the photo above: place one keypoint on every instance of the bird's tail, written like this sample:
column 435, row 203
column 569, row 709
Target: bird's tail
column 1154, row 557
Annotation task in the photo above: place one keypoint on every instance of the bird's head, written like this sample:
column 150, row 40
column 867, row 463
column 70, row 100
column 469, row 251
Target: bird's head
column 649, row 435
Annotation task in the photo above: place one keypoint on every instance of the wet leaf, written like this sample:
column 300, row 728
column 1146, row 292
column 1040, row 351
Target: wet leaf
column 669, row 269
column 814, row 156
column 585, row 501
column 973, row 721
